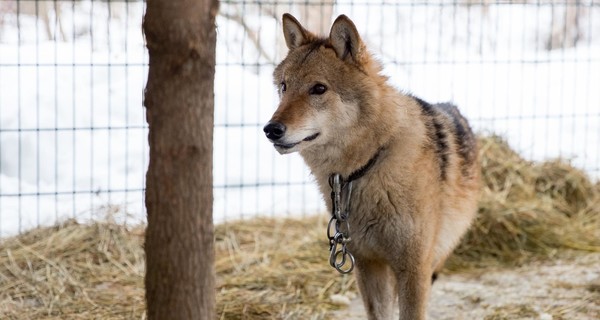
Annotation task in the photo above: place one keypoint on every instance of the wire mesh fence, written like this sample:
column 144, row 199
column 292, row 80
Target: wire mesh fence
column 73, row 136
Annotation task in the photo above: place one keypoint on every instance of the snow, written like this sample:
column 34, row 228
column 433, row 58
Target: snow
column 537, row 290
column 489, row 60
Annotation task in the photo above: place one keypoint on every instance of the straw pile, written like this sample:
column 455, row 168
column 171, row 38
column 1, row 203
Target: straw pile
column 267, row 269
column 277, row 269
column 528, row 210
column 73, row 271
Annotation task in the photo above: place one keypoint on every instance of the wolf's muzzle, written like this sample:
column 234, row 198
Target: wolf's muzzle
column 274, row 130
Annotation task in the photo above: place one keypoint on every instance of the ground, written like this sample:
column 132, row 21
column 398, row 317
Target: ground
column 563, row 288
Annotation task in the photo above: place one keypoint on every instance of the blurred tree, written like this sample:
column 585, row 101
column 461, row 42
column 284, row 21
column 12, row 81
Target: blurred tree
column 565, row 27
column 315, row 15
column 49, row 12
column 179, row 99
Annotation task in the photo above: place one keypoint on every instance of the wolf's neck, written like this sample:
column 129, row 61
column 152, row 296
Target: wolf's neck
column 347, row 161
column 395, row 127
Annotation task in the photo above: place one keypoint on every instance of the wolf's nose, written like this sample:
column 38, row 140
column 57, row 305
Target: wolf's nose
column 274, row 130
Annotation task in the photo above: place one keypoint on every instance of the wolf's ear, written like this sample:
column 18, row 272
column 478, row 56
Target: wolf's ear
column 345, row 38
column 295, row 35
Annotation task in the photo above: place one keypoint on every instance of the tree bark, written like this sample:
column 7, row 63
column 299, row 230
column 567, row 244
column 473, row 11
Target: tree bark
column 179, row 98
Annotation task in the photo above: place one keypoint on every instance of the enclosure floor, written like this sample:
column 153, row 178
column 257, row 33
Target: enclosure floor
column 566, row 288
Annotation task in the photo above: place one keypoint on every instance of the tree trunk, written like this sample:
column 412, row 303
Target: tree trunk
column 179, row 98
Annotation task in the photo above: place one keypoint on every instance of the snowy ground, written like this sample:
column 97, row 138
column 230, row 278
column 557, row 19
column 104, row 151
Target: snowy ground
column 565, row 288
column 73, row 137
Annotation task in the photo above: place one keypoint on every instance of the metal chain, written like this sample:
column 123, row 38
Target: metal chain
column 339, row 256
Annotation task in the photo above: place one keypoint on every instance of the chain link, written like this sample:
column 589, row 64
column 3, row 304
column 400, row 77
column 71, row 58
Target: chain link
column 338, row 228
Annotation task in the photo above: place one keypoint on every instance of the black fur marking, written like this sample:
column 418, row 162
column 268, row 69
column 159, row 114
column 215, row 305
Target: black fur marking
column 437, row 135
column 464, row 137
column 442, row 147
column 434, row 277
column 361, row 171
column 424, row 105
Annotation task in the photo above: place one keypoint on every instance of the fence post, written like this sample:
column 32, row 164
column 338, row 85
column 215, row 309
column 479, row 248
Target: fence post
column 179, row 98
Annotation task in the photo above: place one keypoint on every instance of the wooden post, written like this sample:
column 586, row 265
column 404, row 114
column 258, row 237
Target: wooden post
column 179, row 99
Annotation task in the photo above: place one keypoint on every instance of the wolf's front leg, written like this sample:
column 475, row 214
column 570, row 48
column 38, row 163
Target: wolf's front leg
column 413, row 291
column 377, row 288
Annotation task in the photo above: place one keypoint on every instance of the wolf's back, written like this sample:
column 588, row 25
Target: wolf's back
column 451, row 136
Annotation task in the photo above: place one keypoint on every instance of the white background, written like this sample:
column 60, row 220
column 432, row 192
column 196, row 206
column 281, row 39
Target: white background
column 492, row 61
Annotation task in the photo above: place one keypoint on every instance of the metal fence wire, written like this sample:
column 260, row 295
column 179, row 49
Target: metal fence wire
column 73, row 135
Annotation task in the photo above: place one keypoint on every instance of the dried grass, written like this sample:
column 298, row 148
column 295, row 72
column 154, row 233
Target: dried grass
column 73, row 271
column 528, row 210
column 277, row 269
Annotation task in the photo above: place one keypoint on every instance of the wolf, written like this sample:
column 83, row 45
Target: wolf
column 414, row 165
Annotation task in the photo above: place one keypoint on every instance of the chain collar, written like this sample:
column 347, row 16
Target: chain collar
column 341, row 191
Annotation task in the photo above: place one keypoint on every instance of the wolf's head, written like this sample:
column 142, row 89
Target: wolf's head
column 324, row 84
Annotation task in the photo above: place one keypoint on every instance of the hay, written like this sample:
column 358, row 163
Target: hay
column 267, row 269
column 277, row 268
column 528, row 210
column 73, row 271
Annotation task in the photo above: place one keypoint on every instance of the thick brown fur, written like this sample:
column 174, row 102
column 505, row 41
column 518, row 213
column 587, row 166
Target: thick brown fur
column 410, row 208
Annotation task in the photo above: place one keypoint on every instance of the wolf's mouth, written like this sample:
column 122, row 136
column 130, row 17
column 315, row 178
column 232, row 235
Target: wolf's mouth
column 311, row 137
column 291, row 145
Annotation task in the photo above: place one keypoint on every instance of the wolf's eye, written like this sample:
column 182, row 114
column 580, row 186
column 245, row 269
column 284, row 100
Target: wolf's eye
column 318, row 89
column 282, row 87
